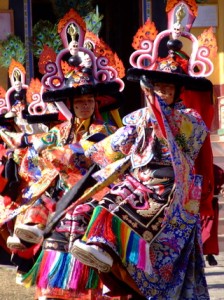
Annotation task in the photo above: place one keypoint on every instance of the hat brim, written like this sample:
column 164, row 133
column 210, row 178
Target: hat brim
column 108, row 88
column 189, row 82
column 4, row 120
column 45, row 118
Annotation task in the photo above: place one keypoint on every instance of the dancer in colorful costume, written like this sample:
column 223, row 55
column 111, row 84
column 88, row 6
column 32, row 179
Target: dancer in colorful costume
column 150, row 218
column 14, row 132
column 89, row 91
column 146, row 231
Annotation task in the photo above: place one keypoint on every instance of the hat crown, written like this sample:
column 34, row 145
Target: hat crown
column 146, row 43
column 169, row 65
column 80, row 62
column 173, row 63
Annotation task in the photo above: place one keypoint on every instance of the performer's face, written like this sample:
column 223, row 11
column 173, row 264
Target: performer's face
column 84, row 106
column 166, row 91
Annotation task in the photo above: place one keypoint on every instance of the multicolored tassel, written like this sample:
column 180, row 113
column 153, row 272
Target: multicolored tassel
column 29, row 279
column 120, row 237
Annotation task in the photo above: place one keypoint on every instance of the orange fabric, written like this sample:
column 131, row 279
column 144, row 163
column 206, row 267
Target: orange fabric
column 55, row 293
column 99, row 195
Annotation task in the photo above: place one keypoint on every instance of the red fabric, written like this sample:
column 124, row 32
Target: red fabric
column 36, row 214
column 28, row 253
column 43, row 264
column 61, row 117
column 49, row 203
column 103, row 222
column 209, row 224
column 3, row 151
column 203, row 103
column 3, row 181
column 105, row 100
column 158, row 114
column 210, row 231
column 3, row 242
column 204, row 167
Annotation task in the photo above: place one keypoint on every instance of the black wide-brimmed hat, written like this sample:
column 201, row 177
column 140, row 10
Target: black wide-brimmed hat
column 106, row 94
column 172, row 69
column 189, row 82
column 100, row 89
column 43, row 118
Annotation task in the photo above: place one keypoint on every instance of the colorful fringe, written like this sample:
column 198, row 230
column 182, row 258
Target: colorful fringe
column 61, row 270
column 120, row 237
column 29, row 279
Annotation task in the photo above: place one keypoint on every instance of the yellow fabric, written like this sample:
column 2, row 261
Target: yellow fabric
column 115, row 114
